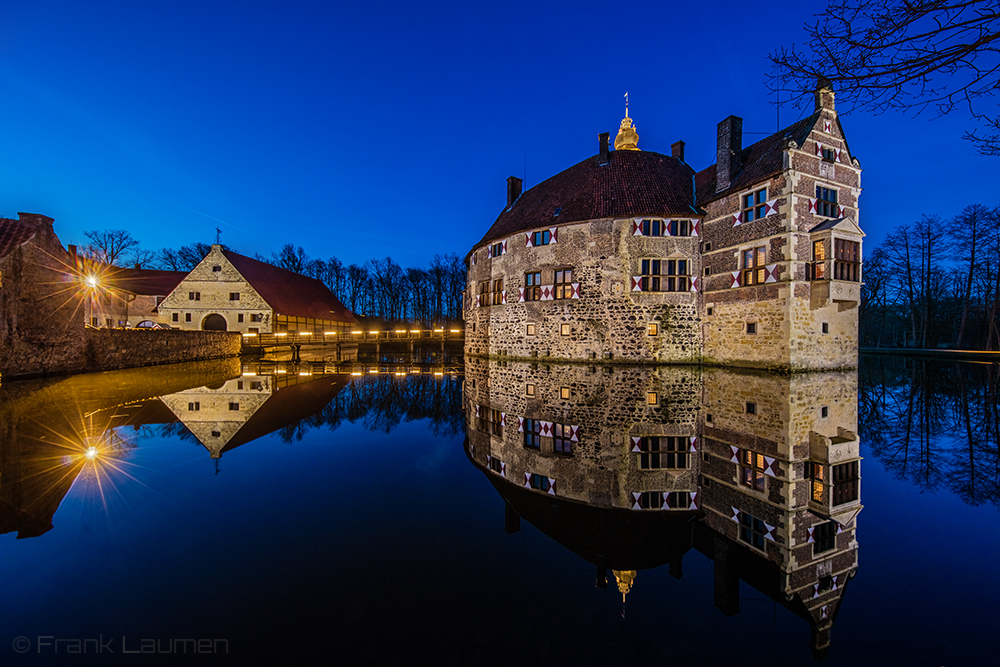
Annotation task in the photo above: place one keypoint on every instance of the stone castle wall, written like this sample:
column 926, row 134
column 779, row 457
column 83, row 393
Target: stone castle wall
column 108, row 349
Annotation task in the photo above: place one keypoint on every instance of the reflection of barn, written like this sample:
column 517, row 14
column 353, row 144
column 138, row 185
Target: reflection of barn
column 230, row 292
column 760, row 473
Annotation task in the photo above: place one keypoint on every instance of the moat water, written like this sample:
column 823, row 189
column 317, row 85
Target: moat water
column 501, row 514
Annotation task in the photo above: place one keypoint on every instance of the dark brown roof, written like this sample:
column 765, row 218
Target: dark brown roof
column 290, row 293
column 144, row 282
column 632, row 183
column 13, row 234
column 759, row 161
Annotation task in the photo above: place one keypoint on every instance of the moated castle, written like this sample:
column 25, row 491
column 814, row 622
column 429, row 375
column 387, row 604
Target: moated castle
column 634, row 256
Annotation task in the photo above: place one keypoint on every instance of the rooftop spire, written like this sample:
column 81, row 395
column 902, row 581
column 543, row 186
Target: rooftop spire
column 627, row 137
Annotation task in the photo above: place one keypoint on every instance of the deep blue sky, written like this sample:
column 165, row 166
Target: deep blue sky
column 362, row 130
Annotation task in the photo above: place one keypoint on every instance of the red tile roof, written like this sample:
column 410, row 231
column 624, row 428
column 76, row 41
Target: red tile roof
column 144, row 282
column 632, row 183
column 759, row 161
column 289, row 293
column 13, row 234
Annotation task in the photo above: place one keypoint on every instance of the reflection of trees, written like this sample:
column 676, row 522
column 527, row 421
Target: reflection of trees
column 937, row 424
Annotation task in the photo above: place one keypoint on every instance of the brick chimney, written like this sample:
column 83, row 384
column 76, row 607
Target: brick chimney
column 513, row 190
column 602, row 139
column 40, row 223
column 727, row 152
column 677, row 150
column 824, row 94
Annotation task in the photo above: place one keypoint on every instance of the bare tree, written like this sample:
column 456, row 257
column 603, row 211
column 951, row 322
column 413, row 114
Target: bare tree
column 109, row 246
column 291, row 258
column 903, row 54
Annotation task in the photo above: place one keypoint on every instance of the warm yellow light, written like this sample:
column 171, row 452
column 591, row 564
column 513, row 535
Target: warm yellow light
column 357, row 332
column 249, row 335
column 305, row 333
column 414, row 330
column 305, row 373
column 92, row 281
column 439, row 374
column 455, row 331
column 372, row 372
column 356, row 373
column 280, row 371
column 400, row 330
column 92, row 452
column 438, row 330
column 281, row 334
column 329, row 333
column 374, row 332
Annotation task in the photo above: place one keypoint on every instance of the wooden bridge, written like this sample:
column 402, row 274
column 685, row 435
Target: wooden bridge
column 349, row 341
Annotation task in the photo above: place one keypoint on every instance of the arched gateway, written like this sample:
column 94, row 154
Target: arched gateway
column 214, row 322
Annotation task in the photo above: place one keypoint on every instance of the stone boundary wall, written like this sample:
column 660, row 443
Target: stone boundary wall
column 109, row 349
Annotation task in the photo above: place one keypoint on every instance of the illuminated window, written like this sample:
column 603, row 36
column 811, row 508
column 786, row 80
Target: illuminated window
column 664, row 452
column 565, row 329
column 653, row 329
column 652, row 398
column 816, row 270
column 665, row 275
column 752, row 466
column 532, row 286
column 529, row 389
column 754, row 205
column 816, row 473
column 826, row 202
column 530, row 329
column 564, row 392
column 754, row 260
column 563, row 284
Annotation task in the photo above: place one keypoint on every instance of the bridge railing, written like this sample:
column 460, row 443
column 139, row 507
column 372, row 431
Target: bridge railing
column 358, row 335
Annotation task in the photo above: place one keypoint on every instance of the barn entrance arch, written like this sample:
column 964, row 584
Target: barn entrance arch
column 214, row 322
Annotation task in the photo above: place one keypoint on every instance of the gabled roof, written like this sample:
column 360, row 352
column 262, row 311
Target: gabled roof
column 838, row 223
column 758, row 161
column 143, row 282
column 13, row 234
column 289, row 293
column 631, row 183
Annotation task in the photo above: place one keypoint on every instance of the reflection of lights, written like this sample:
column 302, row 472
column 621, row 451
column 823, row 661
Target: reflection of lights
column 305, row 373
column 374, row 332
column 399, row 331
column 280, row 371
column 455, row 331
column 414, row 330
column 329, row 333
column 439, row 331
column 372, row 372
column 305, row 333
column 281, row 334
column 356, row 373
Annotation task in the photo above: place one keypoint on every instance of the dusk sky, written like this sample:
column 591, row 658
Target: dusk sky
column 360, row 130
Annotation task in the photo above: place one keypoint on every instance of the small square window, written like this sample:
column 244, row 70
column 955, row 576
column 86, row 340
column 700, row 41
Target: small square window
column 751, row 327
column 708, row 417
column 565, row 329
column 216, row 434
column 194, row 406
column 529, row 329
column 239, row 385
column 234, row 406
column 651, row 398
column 708, row 246
column 708, row 270
column 826, row 327
column 239, row 317
column 751, row 408
column 709, row 311
column 175, row 317
column 216, row 269
column 187, row 317
column 234, row 296
column 564, row 392
column 654, row 329
column 824, row 412
column 529, row 389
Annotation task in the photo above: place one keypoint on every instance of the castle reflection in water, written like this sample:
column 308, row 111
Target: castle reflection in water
column 632, row 467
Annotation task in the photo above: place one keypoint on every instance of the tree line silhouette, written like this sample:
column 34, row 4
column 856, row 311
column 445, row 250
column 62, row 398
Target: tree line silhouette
column 935, row 424
column 934, row 283
column 380, row 290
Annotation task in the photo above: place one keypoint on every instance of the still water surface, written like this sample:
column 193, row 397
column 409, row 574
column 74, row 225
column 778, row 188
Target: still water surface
column 501, row 514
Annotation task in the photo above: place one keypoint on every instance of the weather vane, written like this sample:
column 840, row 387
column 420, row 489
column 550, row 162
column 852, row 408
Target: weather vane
column 626, row 104
column 218, row 232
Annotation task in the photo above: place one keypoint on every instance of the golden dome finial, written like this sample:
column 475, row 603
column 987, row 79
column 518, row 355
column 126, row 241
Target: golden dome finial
column 627, row 138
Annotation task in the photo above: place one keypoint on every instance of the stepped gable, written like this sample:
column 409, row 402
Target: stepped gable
column 759, row 161
column 632, row 183
column 13, row 234
column 289, row 293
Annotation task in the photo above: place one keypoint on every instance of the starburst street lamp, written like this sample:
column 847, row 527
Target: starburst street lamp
column 92, row 281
